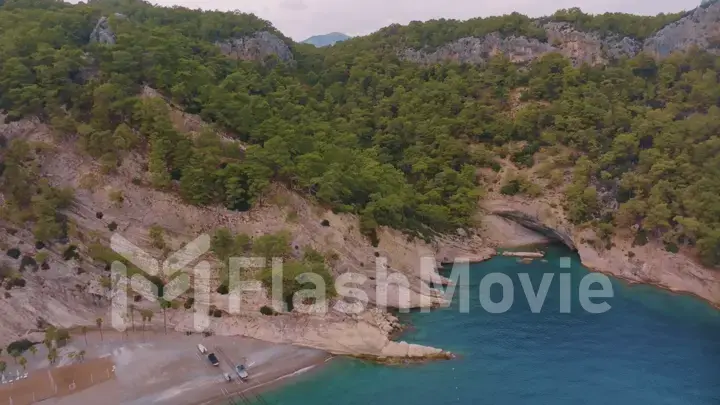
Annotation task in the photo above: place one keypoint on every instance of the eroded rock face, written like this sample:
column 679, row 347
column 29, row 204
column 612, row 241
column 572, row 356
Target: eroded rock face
column 588, row 47
column 701, row 28
column 480, row 50
column 530, row 221
column 580, row 47
column 102, row 33
column 257, row 47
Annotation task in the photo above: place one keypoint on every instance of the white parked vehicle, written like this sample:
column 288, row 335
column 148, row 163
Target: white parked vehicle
column 202, row 349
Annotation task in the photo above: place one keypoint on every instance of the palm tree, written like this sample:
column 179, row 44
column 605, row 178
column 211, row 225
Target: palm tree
column 99, row 322
column 51, row 335
column 164, row 305
column 52, row 355
column 84, row 331
column 33, row 350
column 132, row 317
column 15, row 354
column 23, row 362
column 146, row 316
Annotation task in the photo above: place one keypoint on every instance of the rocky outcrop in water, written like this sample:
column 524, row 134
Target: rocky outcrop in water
column 257, row 47
column 700, row 28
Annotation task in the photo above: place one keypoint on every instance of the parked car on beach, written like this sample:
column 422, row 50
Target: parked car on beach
column 242, row 372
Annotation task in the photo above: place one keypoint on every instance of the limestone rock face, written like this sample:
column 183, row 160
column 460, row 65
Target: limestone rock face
column 257, row 47
column 580, row 47
column 480, row 50
column 650, row 264
column 587, row 47
column 700, row 28
column 102, row 33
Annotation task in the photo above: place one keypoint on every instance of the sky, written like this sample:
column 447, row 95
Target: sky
column 300, row 19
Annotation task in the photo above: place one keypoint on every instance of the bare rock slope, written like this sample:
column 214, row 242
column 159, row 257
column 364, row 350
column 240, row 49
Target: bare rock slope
column 73, row 296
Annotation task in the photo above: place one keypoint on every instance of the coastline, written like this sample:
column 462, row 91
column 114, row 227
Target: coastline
column 168, row 370
column 250, row 390
column 633, row 282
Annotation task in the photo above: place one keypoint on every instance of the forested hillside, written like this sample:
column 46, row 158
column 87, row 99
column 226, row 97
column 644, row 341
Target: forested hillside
column 360, row 130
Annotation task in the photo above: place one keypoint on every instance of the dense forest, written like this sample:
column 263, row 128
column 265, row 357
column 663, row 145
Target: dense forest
column 360, row 130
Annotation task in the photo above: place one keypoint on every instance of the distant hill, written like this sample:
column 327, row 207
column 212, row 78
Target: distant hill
column 327, row 39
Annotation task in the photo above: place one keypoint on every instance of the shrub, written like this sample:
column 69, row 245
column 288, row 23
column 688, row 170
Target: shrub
column 14, row 253
column 5, row 271
column 41, row 257
column 217, row 313
column 28, row 261
column 136, row 181
column 325, row 222
column 62, row 336
column 512, row 187
column 99, row 215
column 116, row 196
column 641, row 238
column 189, row 303
column 70, row 253
column 112, row 226
column 222, row 289
column 157, row 238
column 18, row 282
column 266, row 310
column 39, row 245
column 672, row 247
column 45, row 266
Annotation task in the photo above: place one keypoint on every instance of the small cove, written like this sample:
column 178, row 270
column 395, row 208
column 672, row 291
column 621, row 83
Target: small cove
column 651, row 347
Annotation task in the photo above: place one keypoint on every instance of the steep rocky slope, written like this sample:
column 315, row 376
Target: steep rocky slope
column 700, row 28
column 66, row 296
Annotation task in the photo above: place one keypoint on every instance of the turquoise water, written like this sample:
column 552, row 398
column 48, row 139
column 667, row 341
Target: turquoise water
column 651, row 347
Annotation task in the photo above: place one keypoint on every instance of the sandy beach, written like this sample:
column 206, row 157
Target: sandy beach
column 155, row 368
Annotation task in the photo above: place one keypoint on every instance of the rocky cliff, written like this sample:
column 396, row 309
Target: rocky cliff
column 257, row 47
column 701, row 28
column 648, row 264
column 103, row 33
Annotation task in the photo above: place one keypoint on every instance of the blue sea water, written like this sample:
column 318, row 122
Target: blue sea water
column 652, row 347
